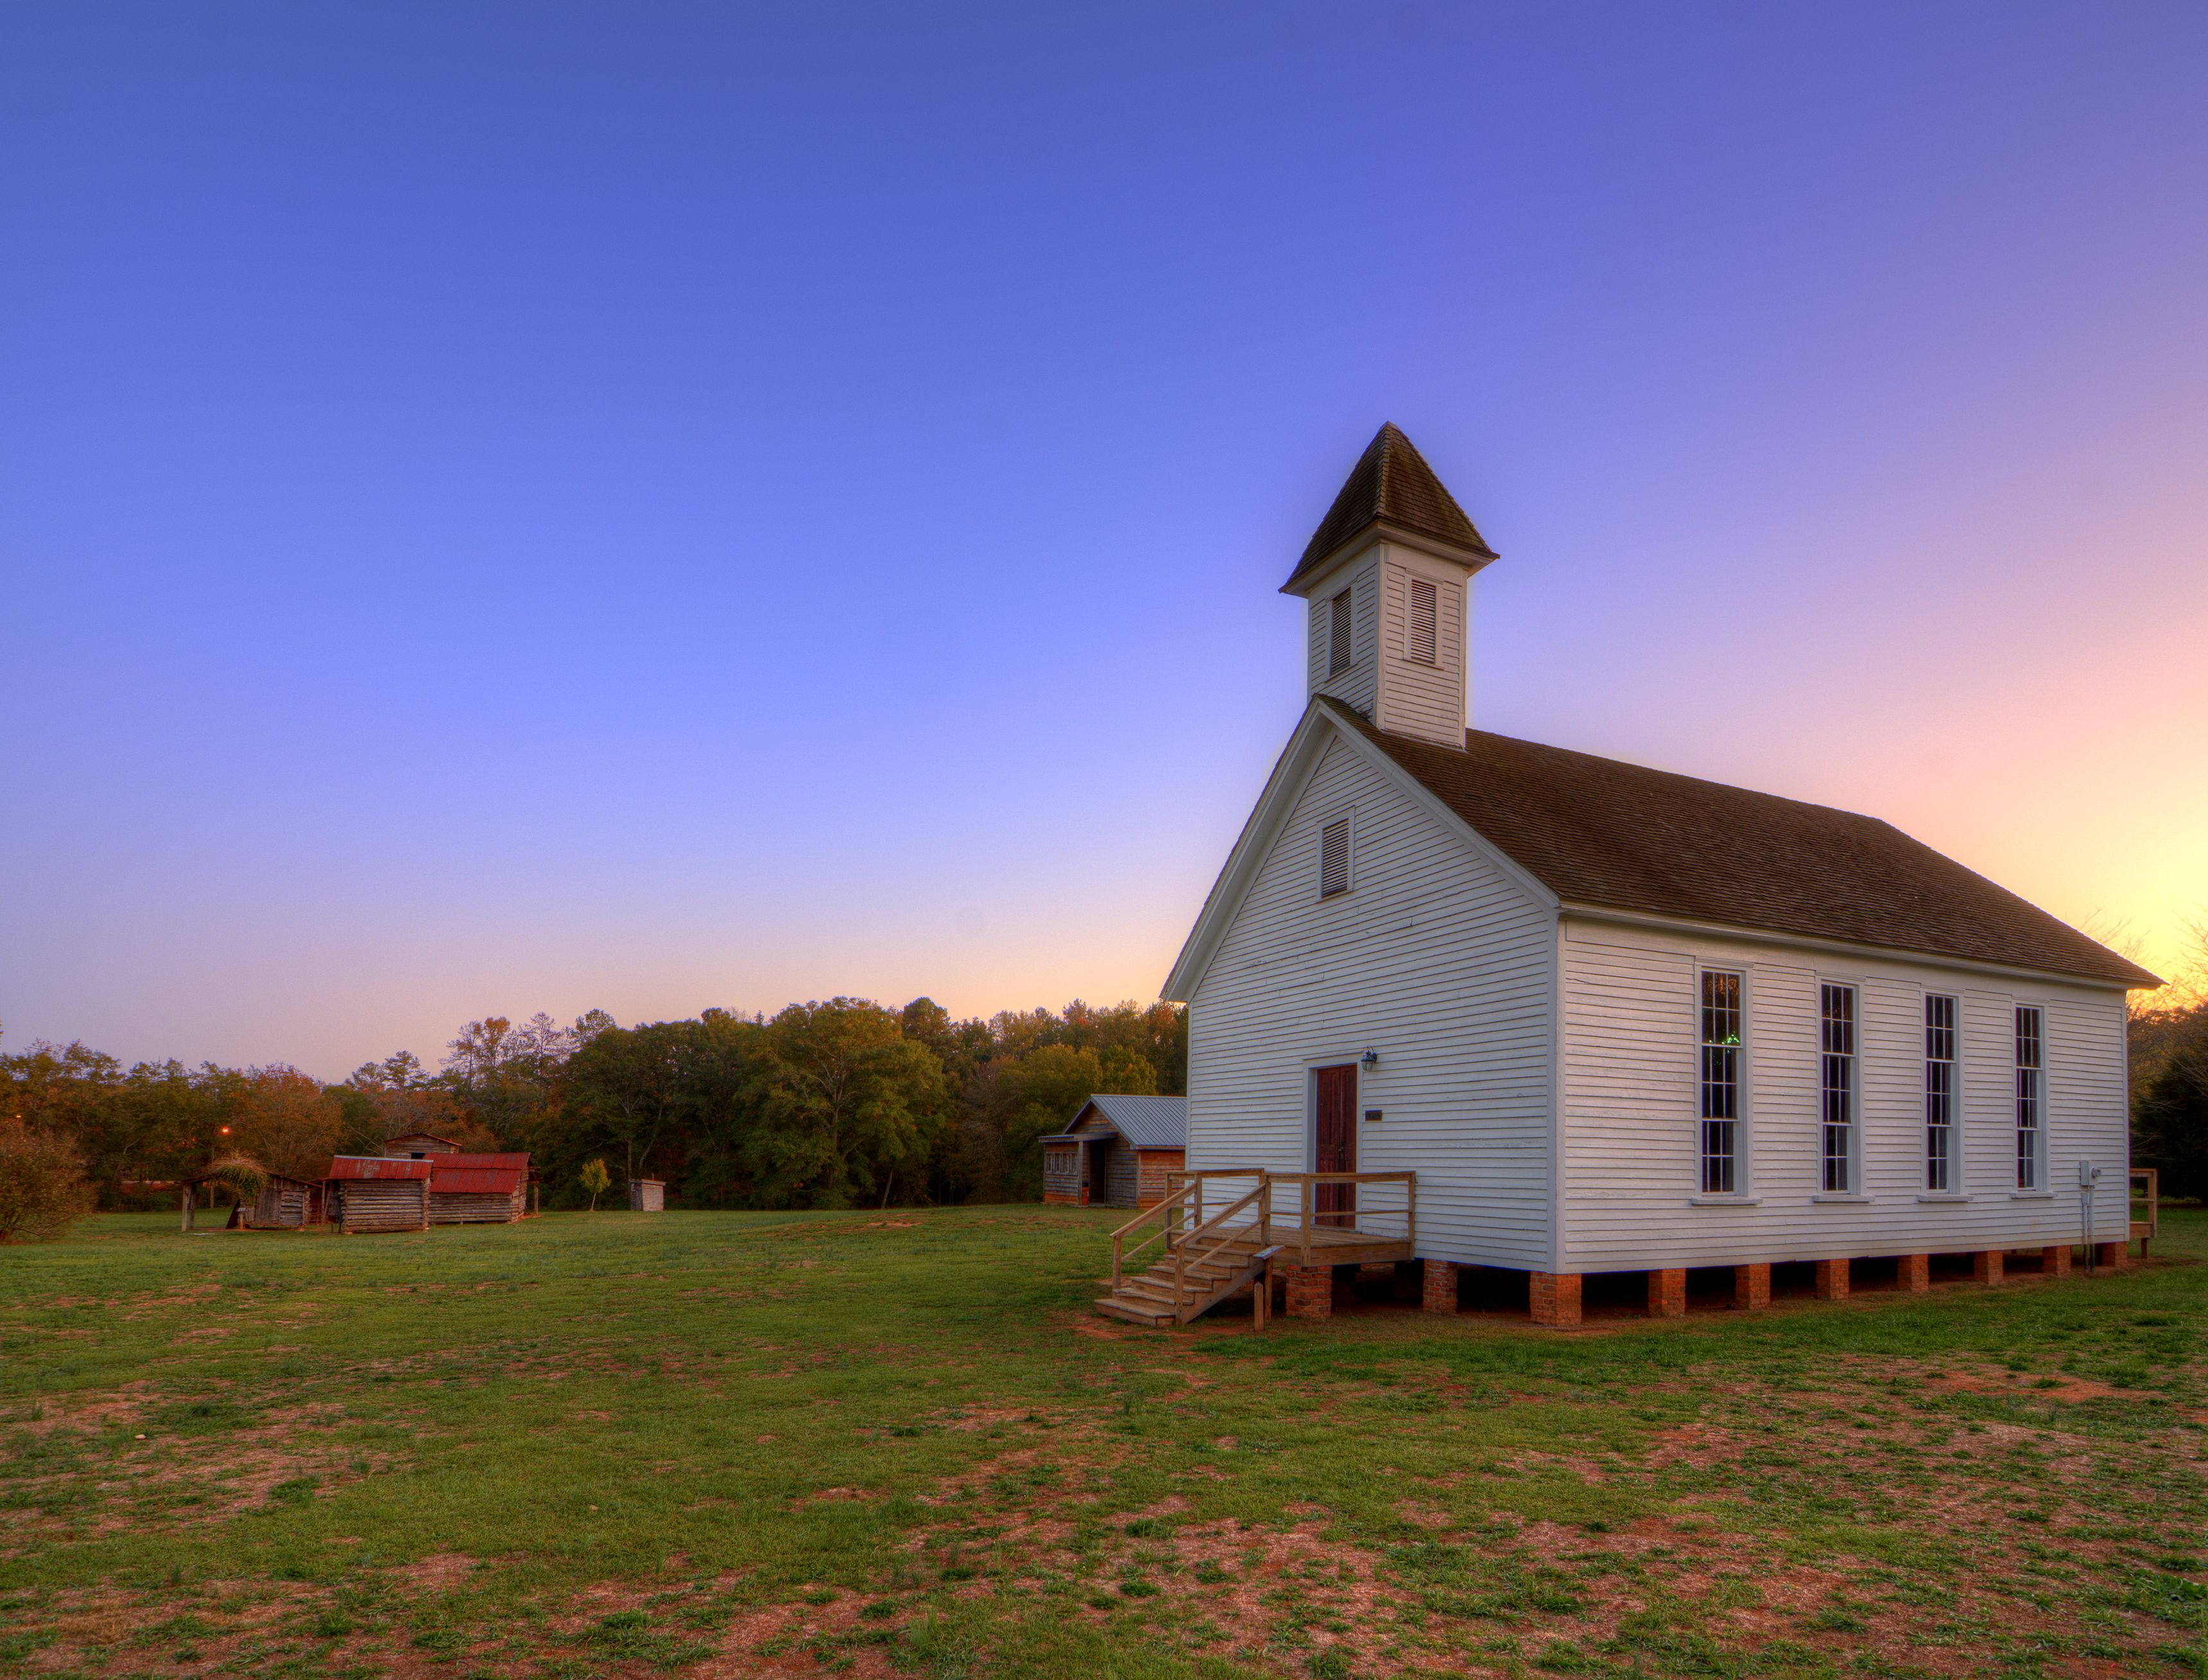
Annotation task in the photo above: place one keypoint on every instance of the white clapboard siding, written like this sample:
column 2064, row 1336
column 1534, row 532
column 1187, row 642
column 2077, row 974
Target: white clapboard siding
column 1631, row 1113
column 1358, row 686
column 1435, row 959
column 1426, row 701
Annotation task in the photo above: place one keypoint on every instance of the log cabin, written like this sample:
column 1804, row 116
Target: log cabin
column 1118, row 1152
column 1478, row 1005
column 477, row 1189
column 378, row 1193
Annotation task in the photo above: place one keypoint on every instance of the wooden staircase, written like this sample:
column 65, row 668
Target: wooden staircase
column 1205, row 1261
column 1162, row 1296
column 1200, row 1268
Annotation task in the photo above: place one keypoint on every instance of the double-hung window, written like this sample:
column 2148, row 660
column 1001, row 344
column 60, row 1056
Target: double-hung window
column 1720, row 1082
column 2030, row 1096
column 1339, row 634
column 1939, row 1092
column 1837, row 1013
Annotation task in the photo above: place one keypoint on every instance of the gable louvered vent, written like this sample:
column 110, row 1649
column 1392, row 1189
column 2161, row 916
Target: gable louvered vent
column 1423, row 605
column 1333, row 858
column 1337, row 657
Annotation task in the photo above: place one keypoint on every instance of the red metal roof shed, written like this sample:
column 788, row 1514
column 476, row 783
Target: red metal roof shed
column 375, row 1167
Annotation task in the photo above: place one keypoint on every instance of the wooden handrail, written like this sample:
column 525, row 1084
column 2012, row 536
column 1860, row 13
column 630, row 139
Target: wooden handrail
column 2148, row 1228
column 1181, row 1260
column 1157, row 1210
column 1181, row 1220
column 1215, row 1221
column 1154, row 1210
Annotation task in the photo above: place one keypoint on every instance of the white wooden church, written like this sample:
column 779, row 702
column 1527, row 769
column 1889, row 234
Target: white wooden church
column 1567, row 1017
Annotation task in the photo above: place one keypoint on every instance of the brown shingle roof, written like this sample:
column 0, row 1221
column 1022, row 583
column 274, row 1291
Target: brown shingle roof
column 1391, row 482
column 1618, row 836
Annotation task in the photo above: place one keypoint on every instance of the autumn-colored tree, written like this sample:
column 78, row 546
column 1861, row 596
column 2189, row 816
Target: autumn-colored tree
column 43, row 1188
column 286, row 1120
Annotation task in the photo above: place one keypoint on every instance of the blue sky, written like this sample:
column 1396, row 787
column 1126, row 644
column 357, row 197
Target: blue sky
column 556, row 507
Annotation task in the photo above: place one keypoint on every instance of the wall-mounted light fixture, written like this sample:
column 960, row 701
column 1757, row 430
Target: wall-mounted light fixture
column 1371, row 1058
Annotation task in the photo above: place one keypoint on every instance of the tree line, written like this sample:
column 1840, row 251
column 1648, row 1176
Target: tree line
column 834, row 1104
column 824, row 1105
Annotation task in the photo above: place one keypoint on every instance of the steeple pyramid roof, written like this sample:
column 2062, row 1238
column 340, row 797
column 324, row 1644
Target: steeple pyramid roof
column 1390, row 485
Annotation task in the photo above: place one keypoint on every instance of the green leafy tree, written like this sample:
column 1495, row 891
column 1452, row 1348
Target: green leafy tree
column 1047, row 1090
column 845, row 1106
column 2169, row 1119
column 627, row 1086
column 597, row 1180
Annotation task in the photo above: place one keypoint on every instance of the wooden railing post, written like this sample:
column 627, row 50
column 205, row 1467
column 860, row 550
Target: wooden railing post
column 1306, row 1215
column 1411, row 1213
column 1115, row 1263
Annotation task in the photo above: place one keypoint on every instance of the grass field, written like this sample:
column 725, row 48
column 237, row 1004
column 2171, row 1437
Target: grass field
column 774, row 1443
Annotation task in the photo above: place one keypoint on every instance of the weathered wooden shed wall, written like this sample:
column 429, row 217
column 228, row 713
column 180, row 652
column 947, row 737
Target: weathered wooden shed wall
column 1061, row 1173
column 384, row 1204
column 482, row 1208
column 283, row 1203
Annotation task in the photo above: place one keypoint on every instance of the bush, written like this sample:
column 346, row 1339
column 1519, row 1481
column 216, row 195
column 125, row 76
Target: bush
column 43, row 1190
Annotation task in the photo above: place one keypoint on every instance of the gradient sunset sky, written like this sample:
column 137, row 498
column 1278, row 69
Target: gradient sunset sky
column 542, row 507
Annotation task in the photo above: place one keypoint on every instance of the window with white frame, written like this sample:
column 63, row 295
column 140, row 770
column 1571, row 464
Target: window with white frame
column 1837, row 1013
column 1418, row 633
column 2030, row 1096
column 1939, row 1092
column 1720, row 1082
column 1333, row 858
column 1339, row 631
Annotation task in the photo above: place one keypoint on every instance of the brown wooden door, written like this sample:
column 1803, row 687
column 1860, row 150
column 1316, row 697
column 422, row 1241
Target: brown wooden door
column 1336, row 1204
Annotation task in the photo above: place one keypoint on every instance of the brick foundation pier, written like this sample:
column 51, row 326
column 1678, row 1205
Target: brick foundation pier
column 1310, row 1291
column 1437, row 1290
column 1555, row 1299
column 1751, row 1287
column 1667, row 1293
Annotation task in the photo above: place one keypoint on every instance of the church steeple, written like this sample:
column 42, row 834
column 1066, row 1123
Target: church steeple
column 1391, row 484
column 1388, row 576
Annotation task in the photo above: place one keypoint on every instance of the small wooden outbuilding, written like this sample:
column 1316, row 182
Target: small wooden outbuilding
column 418, row 1146
column 378, row 1193
column 647, row 1195
column 286, row 1203
column 477, row 1189
column 1119, row 1152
